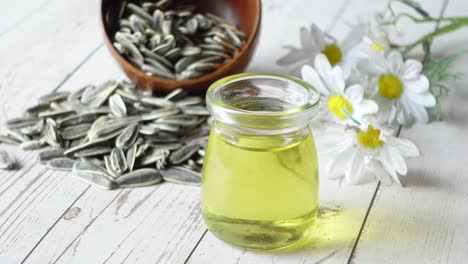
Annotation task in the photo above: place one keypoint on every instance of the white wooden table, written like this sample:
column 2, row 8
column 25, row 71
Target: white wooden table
column 51, row 217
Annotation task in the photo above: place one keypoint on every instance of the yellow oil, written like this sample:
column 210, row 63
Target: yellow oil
column 259, row 196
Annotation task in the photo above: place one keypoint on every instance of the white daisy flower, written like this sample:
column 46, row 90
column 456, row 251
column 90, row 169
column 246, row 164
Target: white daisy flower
column 346, row 55
column 377, row 39
column 339, row 101
column 360, row 153
column 401, row 91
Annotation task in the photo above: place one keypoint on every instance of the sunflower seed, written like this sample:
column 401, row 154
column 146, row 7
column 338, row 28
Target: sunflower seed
column 77, row 119
column 75, row 131
column 180, row 120
column 56, row 113
column 9, row 140
column 131, row 156
column 53, row 97
column 139, row 178
column 165, row 127
column 155, row 71
column 195, row 110
column 117, row 106
column 183, row 63
column 203, row 66
column 46, row 155
column 93, row 151
column 128, row 45
column 37, row 109
column 188, row 74
column 31, row 131
column 17, row 136
column 154, row 156
column 110, row 170
column 167, row 146
column 90, row 130
column 20, row 122
column 191, row 51
column 90, row 168
column 184, row 153
column 61, row 164
column 32, row 144
column 173, row 54
column 93, row 174
column 128, row 137
column 191, row 100
column 102, row 94
column 158, row 114
column 181, row 175
column 118, row 161
column 176, row 95
column 7, row 161
column 140, row 12
column 148, row 130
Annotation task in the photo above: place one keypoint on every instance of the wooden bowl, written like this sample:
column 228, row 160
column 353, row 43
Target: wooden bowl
column 245, row 14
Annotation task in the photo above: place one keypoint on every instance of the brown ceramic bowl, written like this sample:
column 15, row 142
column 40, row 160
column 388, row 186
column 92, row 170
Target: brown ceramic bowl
column 243, row 13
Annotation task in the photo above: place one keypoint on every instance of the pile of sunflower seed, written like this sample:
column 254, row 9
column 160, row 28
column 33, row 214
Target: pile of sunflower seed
column 174, row 41
column 113, row 135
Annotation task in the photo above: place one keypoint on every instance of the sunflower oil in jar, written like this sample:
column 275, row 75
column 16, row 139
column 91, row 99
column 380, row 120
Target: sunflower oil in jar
column 260, row 175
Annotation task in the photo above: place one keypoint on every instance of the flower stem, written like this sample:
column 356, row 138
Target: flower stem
column 432, row 35
column 350, row 117
column 426, row 19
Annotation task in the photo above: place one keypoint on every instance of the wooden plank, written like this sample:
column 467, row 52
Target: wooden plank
column 17, row 12
column 342, row 208
column 424, row 222
column 37, row 57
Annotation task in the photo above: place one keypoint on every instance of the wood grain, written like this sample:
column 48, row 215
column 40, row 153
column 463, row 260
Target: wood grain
column 37, row 56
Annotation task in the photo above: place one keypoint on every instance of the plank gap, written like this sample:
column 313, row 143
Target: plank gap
column 196, row 245
column 88, row 225
column 69, row 75
column 53, row 225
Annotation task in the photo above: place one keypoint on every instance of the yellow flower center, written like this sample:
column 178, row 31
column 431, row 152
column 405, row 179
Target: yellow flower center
column 370, row 138
column 390, row 86
column 377, row 47
column 337, row 103
column 333, row 53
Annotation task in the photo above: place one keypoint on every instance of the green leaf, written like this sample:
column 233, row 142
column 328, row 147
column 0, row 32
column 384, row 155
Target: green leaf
column 416, row 6
column 439, row 72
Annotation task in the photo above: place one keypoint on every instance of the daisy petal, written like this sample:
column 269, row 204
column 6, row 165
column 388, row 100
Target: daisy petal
column 323, row 68
column 338, row 80
column 395, row 60
column 380, row 172
column 310, row 75
column 355, row 169
column 406, row 147
column 425, row 99
column 386, row 165
column 354, row 93
column 397, row 160
column 337, row 166
column 412, row 69
column 417, row 84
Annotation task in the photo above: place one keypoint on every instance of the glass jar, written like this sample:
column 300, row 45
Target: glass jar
column 260, row 173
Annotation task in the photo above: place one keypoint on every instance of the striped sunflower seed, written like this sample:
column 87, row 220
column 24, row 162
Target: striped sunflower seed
column 139, row 178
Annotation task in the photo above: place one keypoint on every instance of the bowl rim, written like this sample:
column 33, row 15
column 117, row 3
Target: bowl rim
column 182, row 83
